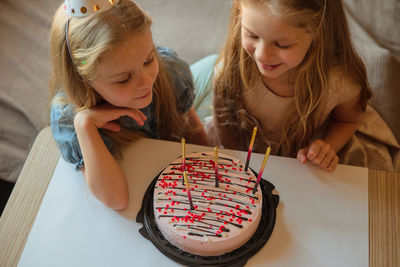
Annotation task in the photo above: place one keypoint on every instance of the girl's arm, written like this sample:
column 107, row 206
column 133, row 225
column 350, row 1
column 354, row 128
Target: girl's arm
column 200, row 136
column 342, row 126
column 103, row 175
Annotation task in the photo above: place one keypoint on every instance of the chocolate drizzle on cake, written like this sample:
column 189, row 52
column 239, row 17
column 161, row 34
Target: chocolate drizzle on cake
column 216, row 210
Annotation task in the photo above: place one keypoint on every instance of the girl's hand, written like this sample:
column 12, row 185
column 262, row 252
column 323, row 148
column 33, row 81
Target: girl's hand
column 319, row 153
column 103, row 116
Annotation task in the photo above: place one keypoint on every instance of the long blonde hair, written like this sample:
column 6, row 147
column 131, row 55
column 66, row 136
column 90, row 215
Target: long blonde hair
column 331, row 46
column 89, row 38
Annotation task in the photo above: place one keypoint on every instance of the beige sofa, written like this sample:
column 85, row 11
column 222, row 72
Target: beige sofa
column 193, row 28
column 376, row 35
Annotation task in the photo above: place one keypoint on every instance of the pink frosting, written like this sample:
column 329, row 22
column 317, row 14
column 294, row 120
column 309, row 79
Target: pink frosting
column 223, row 218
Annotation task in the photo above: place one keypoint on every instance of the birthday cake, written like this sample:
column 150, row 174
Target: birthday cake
column 220, row 217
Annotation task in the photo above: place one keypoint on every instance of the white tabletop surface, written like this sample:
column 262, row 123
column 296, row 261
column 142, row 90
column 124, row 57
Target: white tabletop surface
column 322, row 218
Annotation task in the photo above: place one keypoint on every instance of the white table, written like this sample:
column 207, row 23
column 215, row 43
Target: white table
column 322, row 218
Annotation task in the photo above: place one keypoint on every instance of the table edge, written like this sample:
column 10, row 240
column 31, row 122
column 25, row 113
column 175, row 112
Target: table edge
column 31, row 185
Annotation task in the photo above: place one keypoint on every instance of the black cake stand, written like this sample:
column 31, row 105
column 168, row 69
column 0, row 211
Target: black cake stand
column 235, row 258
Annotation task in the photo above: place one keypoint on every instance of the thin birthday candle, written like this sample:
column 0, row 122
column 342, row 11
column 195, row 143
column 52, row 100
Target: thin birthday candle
column 262, row 169
column 250, row 149
column 188, row 189
column 216, row 165
column 183, row 157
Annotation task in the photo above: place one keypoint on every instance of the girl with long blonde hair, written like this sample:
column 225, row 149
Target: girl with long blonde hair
column 109, row 86
column 289, row 67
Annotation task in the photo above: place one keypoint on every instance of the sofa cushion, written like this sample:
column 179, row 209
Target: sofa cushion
column 24, row 70
column 192, row 28
column 381, row 19
column 383, row 74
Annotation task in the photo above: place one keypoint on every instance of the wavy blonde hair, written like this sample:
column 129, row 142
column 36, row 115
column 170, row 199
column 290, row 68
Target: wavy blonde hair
column 331, row 46
column 89, row 38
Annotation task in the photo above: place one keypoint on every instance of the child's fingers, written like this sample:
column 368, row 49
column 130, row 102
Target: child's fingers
column 137, row 118
column 327, row 159
column 120, row 111
column 320, row 154
column 144, row 118
column 104, row 115
column 114, row 127
column 136, row 115
column 314, row 150
column 302, row 155
column 137, row 112
column 333, row 163
column 324, row 149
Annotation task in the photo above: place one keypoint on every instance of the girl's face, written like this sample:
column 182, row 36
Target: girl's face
column 126, row 73
column 275, row 46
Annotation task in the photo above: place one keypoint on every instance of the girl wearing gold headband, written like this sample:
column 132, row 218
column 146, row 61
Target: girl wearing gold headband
column 109, row 86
